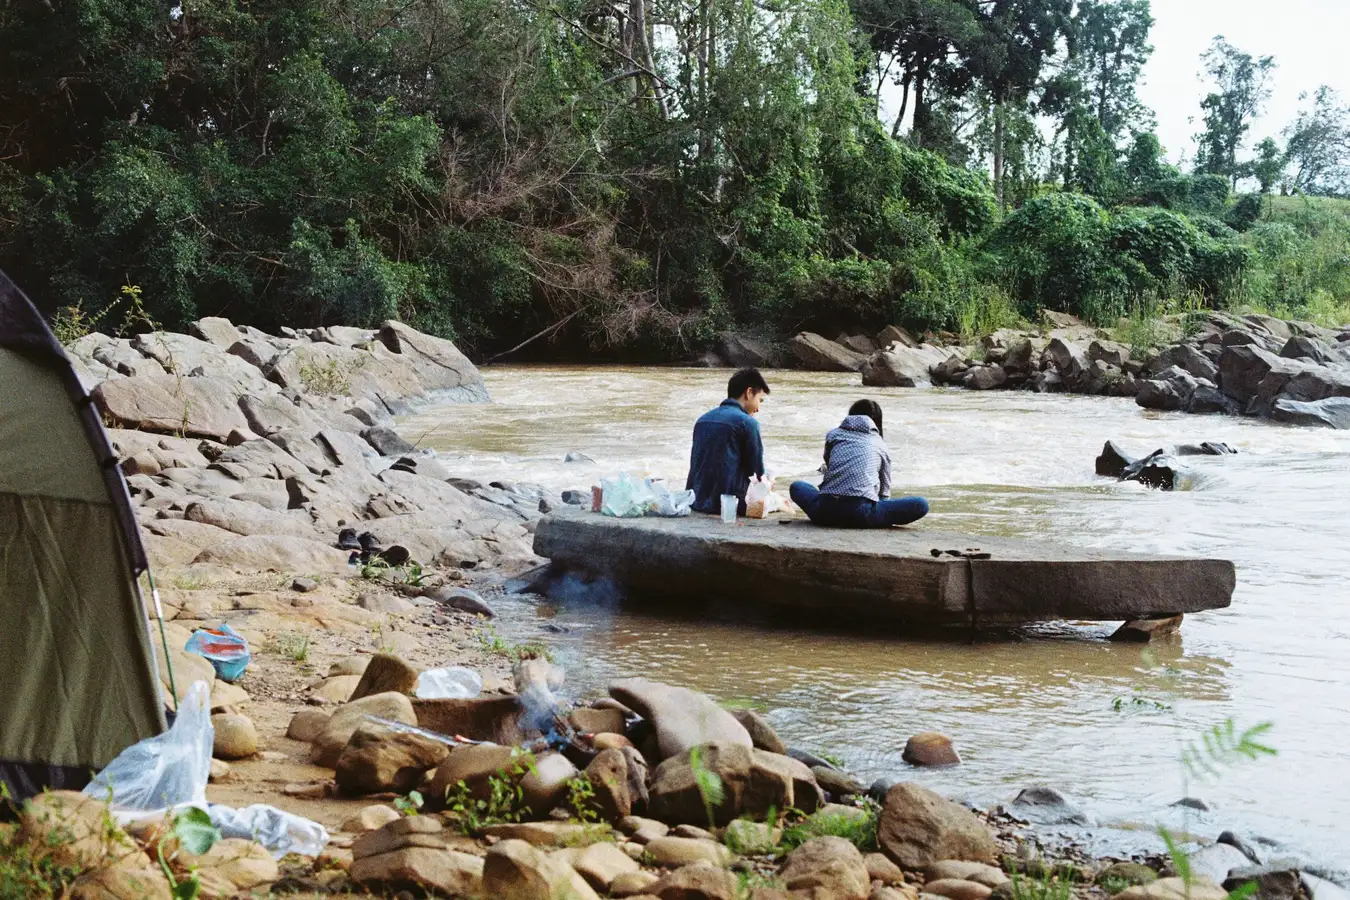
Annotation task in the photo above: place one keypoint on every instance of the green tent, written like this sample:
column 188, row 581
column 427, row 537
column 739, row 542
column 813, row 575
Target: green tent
column 78, row 681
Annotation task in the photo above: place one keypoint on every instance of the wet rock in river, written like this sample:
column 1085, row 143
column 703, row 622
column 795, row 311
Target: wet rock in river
column 1113, row 462
column 1332, row 412
column 918, row 828
column 1045, row 806
column 818, row 354
column 761, row 732
column 1145, row 630
column 461, row 599
column 930, row 749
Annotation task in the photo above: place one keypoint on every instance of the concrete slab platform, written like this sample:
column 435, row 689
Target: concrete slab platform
column 885, row 574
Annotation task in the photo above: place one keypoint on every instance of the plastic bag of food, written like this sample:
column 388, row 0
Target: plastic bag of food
column 758, row 498
column 224, row 648
column 625, row 497
column 670, row 504
column 165, row 770
column 454, row 683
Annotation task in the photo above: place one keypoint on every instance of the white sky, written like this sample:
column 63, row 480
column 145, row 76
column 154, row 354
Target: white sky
column 1308, row 39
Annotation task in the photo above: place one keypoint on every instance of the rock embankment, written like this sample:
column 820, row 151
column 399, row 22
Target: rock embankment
column 1287, row 371
column 251, row 452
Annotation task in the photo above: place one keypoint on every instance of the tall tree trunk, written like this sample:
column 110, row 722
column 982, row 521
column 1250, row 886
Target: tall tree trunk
column 998, row 153
column 904, row 104
column 642, row 40
column 919, row 130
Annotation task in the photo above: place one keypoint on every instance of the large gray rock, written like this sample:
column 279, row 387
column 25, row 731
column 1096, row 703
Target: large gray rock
column 753, row 782
column 1172, row 390
column 437, row 362
column 829, row 867
column 985, row 378
column 817, row 354
column 271, row 412
column 246, row 518
column 1333, row 412
column 386, row 441
column 741, row 350
column 1313, row 383
column 893, row 334
column 514, row 870
column 683, row 718
column 216, row 330
column 119, row 356
column 1245, row 370
column 378, row 759
column 1067, row 358
column 181, row 354
column 902, row 366
column 196, row 406
column 1312, row 350
column 275, row 553
column 1186, row 357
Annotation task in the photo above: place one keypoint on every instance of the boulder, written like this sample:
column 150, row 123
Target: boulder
column 472, row 764
column 697, row 882
column 616, row 785
column 77, row 829
column 514, row 870
column 184, row 355
column 959, row 870
column 242, row 517
column 1310, row 384
column 1188, row 359
column 438, row 363
column 1112, row 462
column 546, row 834
column 1333, row 412
column 589, row 720
column 633, row 884
column 683, row 718
column 545, row 785
column 1246, row 370
column 762, row 735
column 673, row 852
column 346, row 719
column 753, row 782
column 1021, row 358
column 1112, row 353
column 880, row 868
column 817, row 354
column 386, row 441
column 837, row 783
column 1209, row 399
column 387, row 673
column 858, row 343
column 1171, row 390
column 918, row 828
column 1157, row 470
column 1313, row 350
column 232, row 866
column 337, row 689
column 930, row 748
column 197, row 406
column 601, row 864
column 378, row 759
column 902, row 366
column 985, row 378
column 271, row 412
column 235, row 736
column 893, row 334
column 956, row 889
column 461, row 599
column 951, row 369
column 1217, row 860
column 829, row 866
column 449, row 872
column 370, row 818
column 215, row 330
column 744, row 837
column 1067, row 358
column 1277, row 880
column 274, row 553
column 1045, row 806
column 226, row 696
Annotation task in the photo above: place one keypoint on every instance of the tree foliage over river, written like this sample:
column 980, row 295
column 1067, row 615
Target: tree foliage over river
column 640, row 175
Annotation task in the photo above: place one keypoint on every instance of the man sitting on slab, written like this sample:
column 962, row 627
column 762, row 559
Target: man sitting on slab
column 727, row 449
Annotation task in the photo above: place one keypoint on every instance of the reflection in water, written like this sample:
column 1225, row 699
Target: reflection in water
column 1105, row 723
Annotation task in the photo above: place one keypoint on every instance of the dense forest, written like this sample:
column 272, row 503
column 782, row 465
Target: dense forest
column 634, row 177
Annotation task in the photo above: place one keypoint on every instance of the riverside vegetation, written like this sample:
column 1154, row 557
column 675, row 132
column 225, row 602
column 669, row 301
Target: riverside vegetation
column 634, row 179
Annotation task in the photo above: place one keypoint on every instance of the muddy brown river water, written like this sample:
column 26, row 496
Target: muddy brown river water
column 1107, row 724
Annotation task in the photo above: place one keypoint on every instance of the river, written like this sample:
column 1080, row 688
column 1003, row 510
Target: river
column 1105, row 723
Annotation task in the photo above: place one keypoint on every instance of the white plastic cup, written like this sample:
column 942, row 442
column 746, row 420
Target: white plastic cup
column 729, row 504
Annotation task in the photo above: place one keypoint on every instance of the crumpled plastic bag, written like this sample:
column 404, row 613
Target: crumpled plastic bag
column 168, row 769
column 279, row 831
column 625, row 497
column 453, row 683
column 223, row 647
column 671, row 504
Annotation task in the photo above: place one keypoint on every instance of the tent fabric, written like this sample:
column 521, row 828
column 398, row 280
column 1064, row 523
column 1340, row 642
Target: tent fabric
column 78, row 681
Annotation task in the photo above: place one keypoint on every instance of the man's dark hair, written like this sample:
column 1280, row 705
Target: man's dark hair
column 869, row 408
column 744, row 380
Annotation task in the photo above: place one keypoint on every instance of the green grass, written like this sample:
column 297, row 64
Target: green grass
column 861, row 830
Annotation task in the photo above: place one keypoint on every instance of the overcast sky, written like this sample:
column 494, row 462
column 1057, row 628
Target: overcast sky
column 1308, row 39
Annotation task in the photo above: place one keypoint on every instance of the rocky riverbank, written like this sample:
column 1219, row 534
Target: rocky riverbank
column 1286, row 371
column 248, row 456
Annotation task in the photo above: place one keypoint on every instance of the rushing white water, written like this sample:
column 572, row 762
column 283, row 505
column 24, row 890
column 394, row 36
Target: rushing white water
column 1105, row 723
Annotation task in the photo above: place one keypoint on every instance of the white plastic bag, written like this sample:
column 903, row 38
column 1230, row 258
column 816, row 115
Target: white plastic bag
column 279, row 831
column 625, row 497
column 454, row 683
column 671, row 504
column 168, row 769
column 758, row 498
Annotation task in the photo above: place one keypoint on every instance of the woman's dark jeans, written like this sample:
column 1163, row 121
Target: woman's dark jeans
column 835, row 511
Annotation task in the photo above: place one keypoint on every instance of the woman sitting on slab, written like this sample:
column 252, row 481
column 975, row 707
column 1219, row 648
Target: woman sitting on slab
column 856, row 491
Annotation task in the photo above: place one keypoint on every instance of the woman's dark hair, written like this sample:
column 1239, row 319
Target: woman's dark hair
column 869, row 408
column 743, row 381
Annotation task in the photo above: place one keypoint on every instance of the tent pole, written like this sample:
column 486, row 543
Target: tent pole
column 163, row 635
